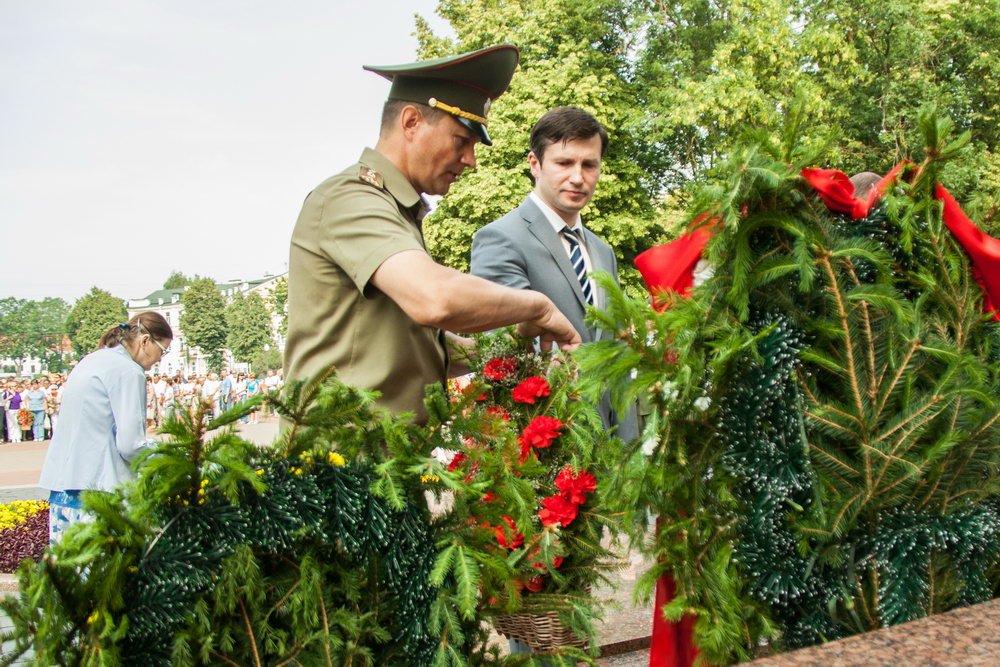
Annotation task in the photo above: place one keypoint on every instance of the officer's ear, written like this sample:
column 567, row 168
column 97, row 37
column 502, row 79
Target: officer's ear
column 410, row 120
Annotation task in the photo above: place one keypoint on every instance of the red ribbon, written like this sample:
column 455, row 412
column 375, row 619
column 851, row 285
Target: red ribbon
column 837, row 191
column 672, row 644
column 983, row 250
column 670, row 267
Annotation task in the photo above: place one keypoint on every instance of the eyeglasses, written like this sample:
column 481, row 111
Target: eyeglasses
column 163, row 350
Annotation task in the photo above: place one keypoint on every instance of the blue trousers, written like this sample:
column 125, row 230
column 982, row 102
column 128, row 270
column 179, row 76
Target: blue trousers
column 38, row 425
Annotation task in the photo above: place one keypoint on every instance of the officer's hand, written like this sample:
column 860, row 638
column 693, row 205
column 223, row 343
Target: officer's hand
column 552, row 327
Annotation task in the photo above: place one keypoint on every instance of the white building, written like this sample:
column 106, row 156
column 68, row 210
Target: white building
column 188, row 360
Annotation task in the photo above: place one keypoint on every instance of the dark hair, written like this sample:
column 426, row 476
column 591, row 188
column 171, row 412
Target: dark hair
column 392, row 109
column 565, row 124
column 149, row 322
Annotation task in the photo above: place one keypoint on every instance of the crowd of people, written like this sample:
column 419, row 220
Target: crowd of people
column 29, row 407
column 165, row 393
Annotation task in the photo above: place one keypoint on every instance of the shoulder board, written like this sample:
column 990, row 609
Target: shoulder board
column 371, row 177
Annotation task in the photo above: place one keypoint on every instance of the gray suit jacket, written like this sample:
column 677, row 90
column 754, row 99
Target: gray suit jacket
column 523, row 251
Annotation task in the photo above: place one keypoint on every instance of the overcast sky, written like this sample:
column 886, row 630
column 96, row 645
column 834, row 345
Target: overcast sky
column 138, row 136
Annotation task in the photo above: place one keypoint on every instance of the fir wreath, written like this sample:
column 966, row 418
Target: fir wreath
column 822, row 432
column 320, row 550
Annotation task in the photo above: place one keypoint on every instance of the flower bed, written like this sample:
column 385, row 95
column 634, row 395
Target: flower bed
column 24, row 532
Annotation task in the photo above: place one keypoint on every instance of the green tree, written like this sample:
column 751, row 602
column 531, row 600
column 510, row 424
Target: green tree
column 278, row 300
column 710, row 71
column 32, row 328
column 266, row 360
column 248, row 325
column 92, row 315
column 203, row 321
column 572, row 53
column 177, row 280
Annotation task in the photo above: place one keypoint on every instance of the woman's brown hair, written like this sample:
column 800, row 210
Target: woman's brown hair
column 149, row 322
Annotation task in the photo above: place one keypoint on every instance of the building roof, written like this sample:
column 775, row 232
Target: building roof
column 166, row 296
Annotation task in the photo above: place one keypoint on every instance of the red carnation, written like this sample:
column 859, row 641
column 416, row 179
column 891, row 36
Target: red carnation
column 500, row 368
column 515, row 540
column 498, row 412
column 539, row 433
column 530, row 389
column 557, row 509
column 455, row 462
column 575, row 487
column 556, row 562
column 534, row 584
column 488, row 497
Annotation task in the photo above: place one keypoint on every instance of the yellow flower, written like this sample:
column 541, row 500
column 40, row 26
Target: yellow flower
column 336, row 459
column 260, row 473
column 429, row 478
column 93, row 617
column 17, row 512
column 204, row 483
column 298, row 471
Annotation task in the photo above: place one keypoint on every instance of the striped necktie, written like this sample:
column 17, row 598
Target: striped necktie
column 576, row 259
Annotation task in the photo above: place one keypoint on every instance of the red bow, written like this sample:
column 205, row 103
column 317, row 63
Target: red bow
column 836, row 189
column 670, row 267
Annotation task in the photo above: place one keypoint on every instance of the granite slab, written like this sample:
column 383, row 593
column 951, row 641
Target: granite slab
column 968, row 636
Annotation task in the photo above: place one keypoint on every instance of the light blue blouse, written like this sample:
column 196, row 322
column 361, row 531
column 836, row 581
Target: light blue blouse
column 102, row 424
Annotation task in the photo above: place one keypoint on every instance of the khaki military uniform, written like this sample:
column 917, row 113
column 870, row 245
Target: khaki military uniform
column 348, row 226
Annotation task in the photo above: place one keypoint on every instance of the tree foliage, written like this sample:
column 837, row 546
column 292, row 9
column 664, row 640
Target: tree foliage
column 677, row 82
column 32, row 328
column 203, row 321
column 177, row 280
column 248, row 324
column 278, row 300
column 572, row 53
column 92, row 315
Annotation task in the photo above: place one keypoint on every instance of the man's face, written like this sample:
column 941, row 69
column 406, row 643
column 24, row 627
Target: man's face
column 566, row 176
column 443, row 151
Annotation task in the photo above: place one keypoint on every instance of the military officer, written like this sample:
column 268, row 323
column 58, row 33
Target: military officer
column 364, row 295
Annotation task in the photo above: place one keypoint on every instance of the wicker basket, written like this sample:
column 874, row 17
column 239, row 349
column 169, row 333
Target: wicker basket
column 539, row 631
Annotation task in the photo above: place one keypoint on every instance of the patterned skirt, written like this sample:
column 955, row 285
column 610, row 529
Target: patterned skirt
column 64, row 511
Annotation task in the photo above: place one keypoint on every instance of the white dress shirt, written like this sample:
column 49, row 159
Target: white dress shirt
column 102, row 424
column 558, row 224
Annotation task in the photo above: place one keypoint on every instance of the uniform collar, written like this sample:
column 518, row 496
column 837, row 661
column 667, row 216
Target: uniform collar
column 393, row 181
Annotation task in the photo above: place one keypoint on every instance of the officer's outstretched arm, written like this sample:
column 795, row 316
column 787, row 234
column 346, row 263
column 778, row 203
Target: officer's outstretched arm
column 437, row 296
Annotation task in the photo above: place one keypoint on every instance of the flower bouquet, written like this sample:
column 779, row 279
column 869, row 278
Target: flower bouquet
column 25, row 418
column 525, row 478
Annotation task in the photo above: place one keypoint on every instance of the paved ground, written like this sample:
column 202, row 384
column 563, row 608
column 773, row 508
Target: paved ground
column 21, row 465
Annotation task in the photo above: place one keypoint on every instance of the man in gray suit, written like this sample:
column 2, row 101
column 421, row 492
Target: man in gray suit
column 542, row 244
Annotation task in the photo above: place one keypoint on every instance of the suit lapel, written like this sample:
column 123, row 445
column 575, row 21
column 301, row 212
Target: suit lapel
column 600, row 261
column 540, row 228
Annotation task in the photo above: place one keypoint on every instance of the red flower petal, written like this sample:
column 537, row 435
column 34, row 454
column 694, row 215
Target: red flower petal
column 509, row 539
column 530, row 389
column 500, row 368
column 557, row 509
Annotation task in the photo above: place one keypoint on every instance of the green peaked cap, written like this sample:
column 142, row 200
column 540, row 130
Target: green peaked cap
column 464, row 85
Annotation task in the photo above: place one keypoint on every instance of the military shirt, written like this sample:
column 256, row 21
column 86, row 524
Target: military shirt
column 349, row 225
